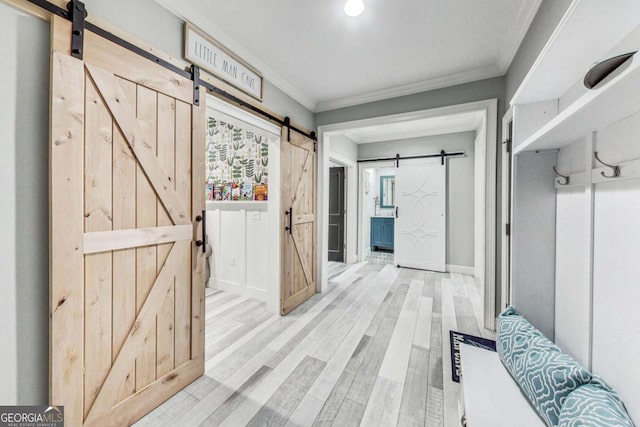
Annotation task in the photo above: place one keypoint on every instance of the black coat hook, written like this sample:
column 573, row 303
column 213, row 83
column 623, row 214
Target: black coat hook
column 566, row 178
column 616, row 169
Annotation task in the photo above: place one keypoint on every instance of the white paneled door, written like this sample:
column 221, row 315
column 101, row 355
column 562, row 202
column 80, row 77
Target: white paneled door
column 421, row 221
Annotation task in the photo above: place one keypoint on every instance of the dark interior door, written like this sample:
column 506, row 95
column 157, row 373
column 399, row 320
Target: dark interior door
column 336, row 214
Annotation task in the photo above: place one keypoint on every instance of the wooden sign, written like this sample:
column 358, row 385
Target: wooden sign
column 211, row 56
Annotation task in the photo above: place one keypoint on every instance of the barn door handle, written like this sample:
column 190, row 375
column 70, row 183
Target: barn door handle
column 289, row 214
column 396, row 212
column 203, row 242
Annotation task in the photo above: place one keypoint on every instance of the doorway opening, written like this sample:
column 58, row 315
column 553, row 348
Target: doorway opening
column 377, row 213
column 243, row 204
column 337, row 212
column 478, row 119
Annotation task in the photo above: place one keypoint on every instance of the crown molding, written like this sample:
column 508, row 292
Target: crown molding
column 517, row 32
column 186, row 12
column 412, row 88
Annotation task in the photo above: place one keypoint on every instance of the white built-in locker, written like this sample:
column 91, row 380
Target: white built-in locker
column 576, row 230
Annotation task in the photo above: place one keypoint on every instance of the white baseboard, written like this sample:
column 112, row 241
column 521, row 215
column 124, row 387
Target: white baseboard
column 255, row 293
column 239, row 289
column 461, row 269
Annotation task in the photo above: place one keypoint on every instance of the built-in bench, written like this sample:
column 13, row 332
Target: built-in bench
column 529, row 381
column 490, row 397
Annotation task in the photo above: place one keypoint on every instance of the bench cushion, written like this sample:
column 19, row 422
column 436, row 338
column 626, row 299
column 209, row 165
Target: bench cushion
column 547, row 376
column 593, row 406
column 544, row 373
column 513, row 338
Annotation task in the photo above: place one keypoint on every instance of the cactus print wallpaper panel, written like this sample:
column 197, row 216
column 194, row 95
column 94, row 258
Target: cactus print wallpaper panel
column 235, row 155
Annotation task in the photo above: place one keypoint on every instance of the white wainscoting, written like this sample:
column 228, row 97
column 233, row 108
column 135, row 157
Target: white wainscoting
column 573, row 293
column 239, row 263
column 616, row 289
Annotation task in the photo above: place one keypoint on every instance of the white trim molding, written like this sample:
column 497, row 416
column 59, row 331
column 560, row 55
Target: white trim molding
column 412, row 88
column 505, row 293
column 461, row 269
column 351, row 203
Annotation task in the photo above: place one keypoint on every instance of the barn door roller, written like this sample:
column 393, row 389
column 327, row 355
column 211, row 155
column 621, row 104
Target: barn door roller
column 77, row 13
column 195, row 76
column 287, row 123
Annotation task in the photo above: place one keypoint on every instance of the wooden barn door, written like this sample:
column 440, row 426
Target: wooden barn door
column 127, row 176
column 298, row 176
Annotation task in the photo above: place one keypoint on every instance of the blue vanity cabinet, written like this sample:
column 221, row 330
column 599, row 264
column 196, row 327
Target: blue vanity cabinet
column 382, row 232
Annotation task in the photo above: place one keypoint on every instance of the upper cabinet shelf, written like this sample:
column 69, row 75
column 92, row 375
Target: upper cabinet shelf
column 589, row 32
column 554, row 108
column 614, row 99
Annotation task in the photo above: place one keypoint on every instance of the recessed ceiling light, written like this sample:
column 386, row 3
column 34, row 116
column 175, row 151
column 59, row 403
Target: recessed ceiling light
column 354, row 8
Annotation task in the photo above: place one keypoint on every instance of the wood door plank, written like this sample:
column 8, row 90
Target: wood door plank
column 183, row 275
column 104, row 241
column 303, row 219
column 142, row 143
column 135, row 407
column 135, row 342
column 98, row 267
column 146, row 216
column 286, row 281
column 165, row 334
column 198, row 141
column 66, row 228
column 124, row 261
column 300, row 170
column 301, row 246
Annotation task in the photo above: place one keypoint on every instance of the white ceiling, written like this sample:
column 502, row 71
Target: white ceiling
column 324, row 59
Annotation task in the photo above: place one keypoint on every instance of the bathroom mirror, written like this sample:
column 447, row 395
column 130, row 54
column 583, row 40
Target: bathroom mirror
column 387, row 191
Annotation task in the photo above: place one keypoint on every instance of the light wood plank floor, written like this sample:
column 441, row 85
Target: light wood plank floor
column 372, row 350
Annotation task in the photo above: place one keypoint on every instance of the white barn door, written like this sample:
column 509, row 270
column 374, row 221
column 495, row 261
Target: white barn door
column 421, row 221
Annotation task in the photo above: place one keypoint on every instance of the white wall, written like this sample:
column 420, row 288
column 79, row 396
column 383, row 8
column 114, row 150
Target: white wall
column 344, row 152
column 460, row 186
column 533, row 239
column 8, row 332
column 24, row 231
column 344, row 147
